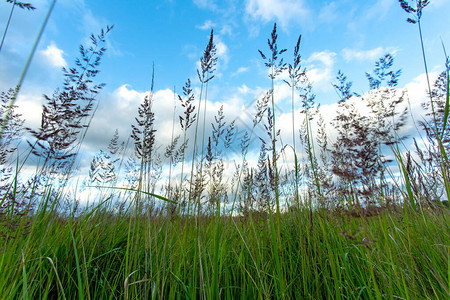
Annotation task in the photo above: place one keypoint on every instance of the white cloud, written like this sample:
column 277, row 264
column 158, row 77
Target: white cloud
column 320, row 68
column 29, row 105
column 414, row 97
column 328, row 13
column 380, row 8
column 240, row 70
column 91, row 23
column 207, row 25
column 54, row 56
column 119, row 109
column 222, row 50
column 372, row 54
column 283, row 11
column 226, row 30
column 326, row 57
column 243, row 89
column 417, row 90
column 438, row 3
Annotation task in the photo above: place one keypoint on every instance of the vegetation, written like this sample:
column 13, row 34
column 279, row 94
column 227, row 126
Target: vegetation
column 339, row 220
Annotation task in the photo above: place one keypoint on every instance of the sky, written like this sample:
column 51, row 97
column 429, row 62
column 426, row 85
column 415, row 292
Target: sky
column 336, row 35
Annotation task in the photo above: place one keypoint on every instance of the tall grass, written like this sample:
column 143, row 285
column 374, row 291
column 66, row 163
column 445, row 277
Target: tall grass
column 190, row 244
column 389, row 255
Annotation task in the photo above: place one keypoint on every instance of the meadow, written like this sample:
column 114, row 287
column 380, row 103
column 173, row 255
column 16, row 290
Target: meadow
column 356, row 215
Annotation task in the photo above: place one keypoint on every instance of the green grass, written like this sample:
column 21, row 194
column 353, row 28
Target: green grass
column 102, row 255
column 342, row 250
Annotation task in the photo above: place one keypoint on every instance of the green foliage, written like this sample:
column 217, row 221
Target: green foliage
column 348, row 234
column 386, row 254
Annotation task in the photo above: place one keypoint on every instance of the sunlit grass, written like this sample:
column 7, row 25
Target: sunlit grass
column 99, row 254
column 181, row 246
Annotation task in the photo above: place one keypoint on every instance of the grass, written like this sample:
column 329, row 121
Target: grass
column 393, row 254
column 352, row 240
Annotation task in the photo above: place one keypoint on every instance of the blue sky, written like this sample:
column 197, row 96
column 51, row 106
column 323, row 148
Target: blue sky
column 336, row 35
column 346, row 35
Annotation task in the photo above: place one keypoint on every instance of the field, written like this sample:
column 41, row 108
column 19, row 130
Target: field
column 356, row 215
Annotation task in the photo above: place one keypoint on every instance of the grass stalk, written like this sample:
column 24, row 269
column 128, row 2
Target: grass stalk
column 26, row 67
column 7, row 25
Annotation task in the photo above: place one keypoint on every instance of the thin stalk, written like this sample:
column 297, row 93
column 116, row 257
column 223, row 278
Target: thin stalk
column 194, row 152
column 405, row 176
column 25, row 69
column 276, row 240
column 7, row 24
column 24, row 278
column 277, row 196
column 203, row 143
column 216, row 271
column 297, row 197
column 171, row 139
column 77, row 262
column 312, row 153
column 427, row 75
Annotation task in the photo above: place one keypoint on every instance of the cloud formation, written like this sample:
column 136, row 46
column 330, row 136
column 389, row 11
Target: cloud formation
column 54, row 56
column 320, row 69
column 207, row 25
column 328, row 13
column 206, row 4
column 282, row 11
column 361, row 55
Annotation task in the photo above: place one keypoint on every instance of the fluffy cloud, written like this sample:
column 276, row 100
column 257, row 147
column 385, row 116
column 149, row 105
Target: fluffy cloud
column 417, row 93
column 30, row 107
column 207, row 25
column 222, row 50
column 119, row 109
column 283, row 11
column 380, row 8
column 209, row 4
column 320, row 69
column 328, row 13
column 240, row 70
column 226, row 30
column 54, row 56
column 372, row 54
